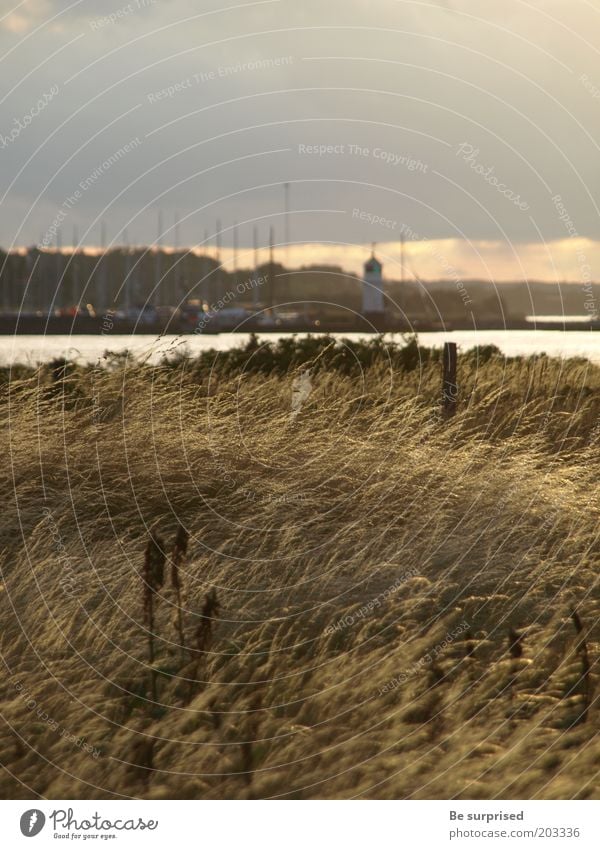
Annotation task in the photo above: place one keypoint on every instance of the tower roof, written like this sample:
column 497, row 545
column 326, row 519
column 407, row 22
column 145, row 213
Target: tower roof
column 372, row 265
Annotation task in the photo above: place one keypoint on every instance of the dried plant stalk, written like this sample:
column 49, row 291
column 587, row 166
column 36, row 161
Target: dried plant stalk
column 154, row 576
column 515, row 648
column 204, row 632
column 586, row 678
column 247, row 754
column 178, row 555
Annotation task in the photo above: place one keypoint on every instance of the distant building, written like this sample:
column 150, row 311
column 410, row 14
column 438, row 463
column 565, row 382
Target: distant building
column 373, row 301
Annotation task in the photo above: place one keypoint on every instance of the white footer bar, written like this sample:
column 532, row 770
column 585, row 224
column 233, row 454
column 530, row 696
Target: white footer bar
column 298, row 825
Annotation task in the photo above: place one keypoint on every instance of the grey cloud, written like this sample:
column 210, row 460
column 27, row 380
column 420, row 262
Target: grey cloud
column 402, row 80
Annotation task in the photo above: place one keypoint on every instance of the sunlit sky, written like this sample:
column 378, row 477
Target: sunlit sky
column 472, row 127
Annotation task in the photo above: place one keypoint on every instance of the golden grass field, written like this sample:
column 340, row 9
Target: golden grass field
column 369, row 561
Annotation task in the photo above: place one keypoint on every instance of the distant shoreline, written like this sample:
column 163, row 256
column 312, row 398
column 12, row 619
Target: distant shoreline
column 89, row 326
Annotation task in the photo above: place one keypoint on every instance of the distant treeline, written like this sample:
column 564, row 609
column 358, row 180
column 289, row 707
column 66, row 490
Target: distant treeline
column 46, row 280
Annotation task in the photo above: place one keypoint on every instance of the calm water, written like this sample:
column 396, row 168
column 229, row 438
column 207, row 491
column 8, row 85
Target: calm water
column 35, row 349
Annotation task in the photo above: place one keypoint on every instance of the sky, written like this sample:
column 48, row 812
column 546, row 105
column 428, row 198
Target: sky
column 468, row 129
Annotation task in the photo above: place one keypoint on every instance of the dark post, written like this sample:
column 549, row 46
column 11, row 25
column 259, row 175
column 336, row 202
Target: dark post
column 449, row 386
column 271, row 282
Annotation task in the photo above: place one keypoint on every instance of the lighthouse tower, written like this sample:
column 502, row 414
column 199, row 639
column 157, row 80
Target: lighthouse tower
column 373, row 304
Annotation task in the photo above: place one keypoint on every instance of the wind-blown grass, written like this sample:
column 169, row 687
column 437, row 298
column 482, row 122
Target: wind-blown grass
column 367, row 563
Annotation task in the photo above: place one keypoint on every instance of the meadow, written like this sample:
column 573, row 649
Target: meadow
column 278, row 572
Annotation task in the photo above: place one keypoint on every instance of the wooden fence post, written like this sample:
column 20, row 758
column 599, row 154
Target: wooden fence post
column 449, row 385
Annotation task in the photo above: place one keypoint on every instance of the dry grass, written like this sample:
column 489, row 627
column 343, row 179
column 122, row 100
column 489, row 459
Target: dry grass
column 372, row 575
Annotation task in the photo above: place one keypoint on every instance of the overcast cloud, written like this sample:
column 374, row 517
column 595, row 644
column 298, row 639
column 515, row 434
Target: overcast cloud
column 452, row 120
